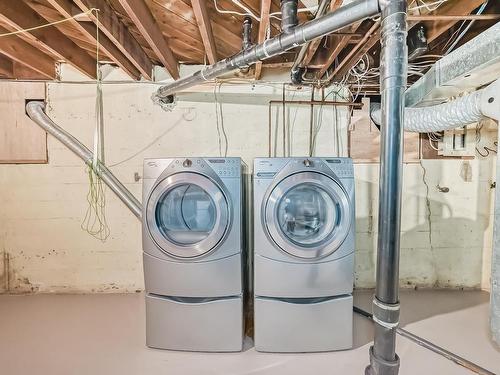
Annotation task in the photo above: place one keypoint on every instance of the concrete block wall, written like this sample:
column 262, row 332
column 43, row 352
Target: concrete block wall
column 44, row 249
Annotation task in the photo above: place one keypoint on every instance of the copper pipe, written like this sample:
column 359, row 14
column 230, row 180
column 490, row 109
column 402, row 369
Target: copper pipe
column 466, row 17
column 318, row 102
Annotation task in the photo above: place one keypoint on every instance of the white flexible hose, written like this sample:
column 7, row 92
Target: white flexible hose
column 456, row 113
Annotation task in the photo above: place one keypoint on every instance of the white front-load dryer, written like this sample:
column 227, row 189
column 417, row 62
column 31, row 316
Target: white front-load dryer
column 304, row 237
column 193, row 252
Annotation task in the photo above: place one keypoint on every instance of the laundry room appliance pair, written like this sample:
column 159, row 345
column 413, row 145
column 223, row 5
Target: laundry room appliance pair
column 197, row 268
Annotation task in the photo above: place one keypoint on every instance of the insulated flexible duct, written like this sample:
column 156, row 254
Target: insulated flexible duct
column 35, row 111
column 456, row 113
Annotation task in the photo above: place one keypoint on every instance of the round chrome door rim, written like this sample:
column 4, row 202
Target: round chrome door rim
column 332, row 242
column 219, row 230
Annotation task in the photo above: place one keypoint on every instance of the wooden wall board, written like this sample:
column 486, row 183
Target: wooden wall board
column 21, row 140
column 364, row 139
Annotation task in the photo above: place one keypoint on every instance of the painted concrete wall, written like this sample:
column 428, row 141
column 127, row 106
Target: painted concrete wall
column 446, row 237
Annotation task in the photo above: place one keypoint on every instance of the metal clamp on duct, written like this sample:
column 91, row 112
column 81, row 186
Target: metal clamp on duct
column 385, row 314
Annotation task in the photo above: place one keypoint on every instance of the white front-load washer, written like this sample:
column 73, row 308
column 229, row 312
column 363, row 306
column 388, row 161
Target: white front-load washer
column 193, row 251
column 304, row 237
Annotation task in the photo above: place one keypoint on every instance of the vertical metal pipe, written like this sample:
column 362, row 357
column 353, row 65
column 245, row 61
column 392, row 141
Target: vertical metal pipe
column 289, row 18
column 393, row 69
column 247, row 33
column 296, row 71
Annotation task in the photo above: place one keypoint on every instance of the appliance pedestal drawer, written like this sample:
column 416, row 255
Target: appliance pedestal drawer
column 194, row 324
column 303, row 325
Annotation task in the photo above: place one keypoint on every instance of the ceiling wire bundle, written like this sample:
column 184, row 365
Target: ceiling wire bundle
column 250, row 13
column 362, row 73
column 219, row 118
column 435, row 138
column 461, row 34
column 94, row 221
column 430, row 6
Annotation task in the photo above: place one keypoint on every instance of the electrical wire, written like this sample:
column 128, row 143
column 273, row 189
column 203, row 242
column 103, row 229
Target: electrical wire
column 461, row 35
column 488, row 150
column 428, row 6
column 248, row 11
column 95, row 222
column 22, row 31
column 221, row 131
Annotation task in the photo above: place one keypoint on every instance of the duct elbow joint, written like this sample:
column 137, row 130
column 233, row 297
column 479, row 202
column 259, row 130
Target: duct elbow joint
column 296, row 75
column 289, row 20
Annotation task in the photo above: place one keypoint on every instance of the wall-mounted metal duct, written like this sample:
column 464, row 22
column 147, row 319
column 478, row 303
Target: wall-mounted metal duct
column 456, row 113
column 35, row 111
column 342, row 17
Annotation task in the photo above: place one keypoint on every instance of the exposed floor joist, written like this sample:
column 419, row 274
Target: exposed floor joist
column 203, row 21
column 313, row 46
column 143, row 19
column 67, row 9
column 6, row 66
column 434, row 30
column 18, row 50
column 18, row 15
column 117, row 32
column 265, row 9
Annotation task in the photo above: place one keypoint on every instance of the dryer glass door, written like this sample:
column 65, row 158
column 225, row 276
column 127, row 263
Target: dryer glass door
column 308, row 215
column 187, row 215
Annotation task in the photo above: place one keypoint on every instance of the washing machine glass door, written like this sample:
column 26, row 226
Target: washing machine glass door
column 308, row 215
column 187, row 215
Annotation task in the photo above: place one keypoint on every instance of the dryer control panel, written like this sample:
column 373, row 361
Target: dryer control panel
column 342, row 167
column 225, row 167
column 270, row 167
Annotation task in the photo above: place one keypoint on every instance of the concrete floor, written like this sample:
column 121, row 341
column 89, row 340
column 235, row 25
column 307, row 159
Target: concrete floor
column 104, row 334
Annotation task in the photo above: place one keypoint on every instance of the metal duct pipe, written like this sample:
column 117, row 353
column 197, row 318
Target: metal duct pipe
column 393, row 71
column 456, row 113
column 289, row 15
column 35, row 111
column 247, row 33
column 296, row 72
column 342, row 17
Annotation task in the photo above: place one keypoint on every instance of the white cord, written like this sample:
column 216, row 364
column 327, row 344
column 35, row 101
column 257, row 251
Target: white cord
column 248, row 11
column 428, row 6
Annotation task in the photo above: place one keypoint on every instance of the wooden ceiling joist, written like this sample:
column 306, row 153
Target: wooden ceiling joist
column 265, row 10
column 6, row 66
column 18, row 15
column 313, row 46
column 203, row 21
column 67, row 9
column 118, row 33
column 18, row 50
column 144, row 20
column 434, row 30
